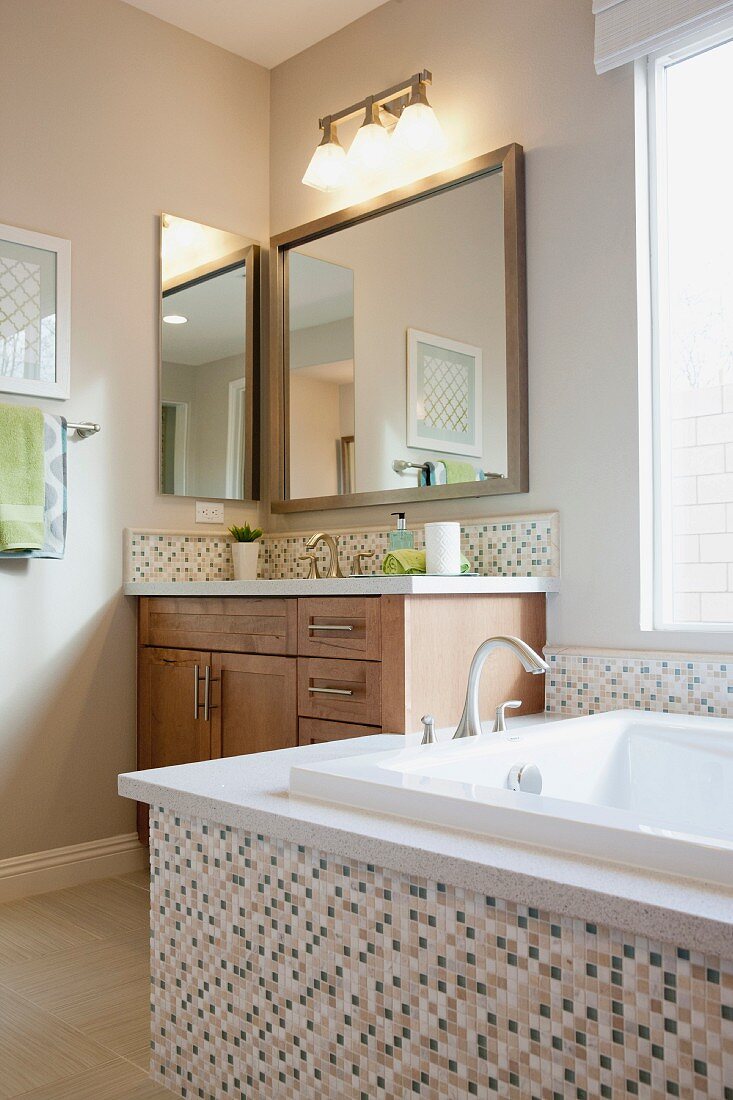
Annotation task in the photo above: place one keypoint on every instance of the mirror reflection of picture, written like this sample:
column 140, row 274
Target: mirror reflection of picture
column 444, row 394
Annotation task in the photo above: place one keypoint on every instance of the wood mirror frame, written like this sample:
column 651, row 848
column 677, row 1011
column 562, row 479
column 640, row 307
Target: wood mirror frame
column 510, row 160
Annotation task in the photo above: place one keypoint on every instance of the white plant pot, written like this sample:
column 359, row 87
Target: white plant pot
column 244, row 556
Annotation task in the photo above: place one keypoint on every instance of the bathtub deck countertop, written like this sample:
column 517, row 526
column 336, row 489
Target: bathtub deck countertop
column 348, row 586
column 251, row 793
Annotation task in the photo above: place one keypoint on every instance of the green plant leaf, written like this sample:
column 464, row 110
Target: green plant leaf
column 245, row 534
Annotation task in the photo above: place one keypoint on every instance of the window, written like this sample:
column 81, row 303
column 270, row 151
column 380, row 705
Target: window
column 690, row 132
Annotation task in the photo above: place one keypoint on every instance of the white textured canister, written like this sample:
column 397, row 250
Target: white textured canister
column 443, row 548
column 244, row 559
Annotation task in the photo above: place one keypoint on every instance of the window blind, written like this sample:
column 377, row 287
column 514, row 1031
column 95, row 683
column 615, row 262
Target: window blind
column 628, row 29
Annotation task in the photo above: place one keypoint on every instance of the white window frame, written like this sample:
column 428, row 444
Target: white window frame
column 651, row 206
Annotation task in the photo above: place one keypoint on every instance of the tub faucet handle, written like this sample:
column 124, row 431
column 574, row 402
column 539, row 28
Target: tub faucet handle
column 428, row 735
column 500, row 720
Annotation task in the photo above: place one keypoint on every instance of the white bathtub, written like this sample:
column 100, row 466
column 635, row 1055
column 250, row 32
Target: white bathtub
column 649, row 790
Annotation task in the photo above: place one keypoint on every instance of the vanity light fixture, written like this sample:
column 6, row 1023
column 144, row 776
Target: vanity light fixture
column 399, row 116
column 175, row 319
column 418, row 129
column 328, row 169
column 370, row 148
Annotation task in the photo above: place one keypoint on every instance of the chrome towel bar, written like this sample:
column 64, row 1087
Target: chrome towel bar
column 84, row 429
column 400, row 465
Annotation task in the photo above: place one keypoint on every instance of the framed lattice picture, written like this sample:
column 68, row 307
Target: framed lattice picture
column 35, row 308
column 444, row 398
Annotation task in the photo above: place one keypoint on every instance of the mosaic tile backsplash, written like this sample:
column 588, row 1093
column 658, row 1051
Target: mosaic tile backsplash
column 519, row 546
column 283, row 972
column 587, row 683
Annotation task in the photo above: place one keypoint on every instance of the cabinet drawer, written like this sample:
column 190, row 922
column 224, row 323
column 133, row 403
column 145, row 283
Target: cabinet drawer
column 314, row 731
column 234, row 624
column 346, row 691
column 339, row 627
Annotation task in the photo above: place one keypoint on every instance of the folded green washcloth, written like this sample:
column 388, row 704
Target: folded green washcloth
column 411, row 561
column 22, row 483
column 458, row 472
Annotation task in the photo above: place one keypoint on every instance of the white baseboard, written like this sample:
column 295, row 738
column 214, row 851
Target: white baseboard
column 39, row 872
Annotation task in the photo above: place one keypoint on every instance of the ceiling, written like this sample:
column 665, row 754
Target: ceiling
column 215, row 312
column 319, row 291
column 267, row 33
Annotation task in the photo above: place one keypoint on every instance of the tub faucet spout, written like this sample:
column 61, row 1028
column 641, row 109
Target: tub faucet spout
column 470, row 723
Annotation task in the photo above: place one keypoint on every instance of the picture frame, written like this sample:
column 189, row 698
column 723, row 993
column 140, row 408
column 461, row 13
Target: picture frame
column 35, row 314
column 444, row 395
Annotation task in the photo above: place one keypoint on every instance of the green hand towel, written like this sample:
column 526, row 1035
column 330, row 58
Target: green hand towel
column 22, row 485
column 457, row 472
column 401, row 562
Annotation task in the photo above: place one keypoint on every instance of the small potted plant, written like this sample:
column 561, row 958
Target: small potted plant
column 245, row 551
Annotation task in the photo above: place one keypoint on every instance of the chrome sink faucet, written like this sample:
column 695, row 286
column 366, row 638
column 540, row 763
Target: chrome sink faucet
column 470, row 723
column 334, row 569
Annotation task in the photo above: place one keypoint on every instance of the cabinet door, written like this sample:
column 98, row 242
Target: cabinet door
column 172, row 726
column 254, row 704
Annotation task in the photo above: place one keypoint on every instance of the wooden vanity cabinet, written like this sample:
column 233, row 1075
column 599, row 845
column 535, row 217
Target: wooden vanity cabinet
column 236, row 675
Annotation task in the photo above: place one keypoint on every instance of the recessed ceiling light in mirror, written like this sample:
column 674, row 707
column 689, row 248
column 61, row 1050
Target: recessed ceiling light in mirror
column 175, row 319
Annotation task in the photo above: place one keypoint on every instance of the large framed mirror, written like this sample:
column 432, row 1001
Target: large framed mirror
column 209, row 362
column 399, row 345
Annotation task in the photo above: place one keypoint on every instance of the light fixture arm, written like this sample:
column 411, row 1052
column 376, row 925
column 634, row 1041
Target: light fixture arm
column 393, row 99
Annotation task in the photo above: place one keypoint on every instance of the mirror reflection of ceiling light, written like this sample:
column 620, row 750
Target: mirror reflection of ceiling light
column 175, row 319
column 417, row 132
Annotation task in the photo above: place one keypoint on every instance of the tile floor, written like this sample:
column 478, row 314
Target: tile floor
column 75, row 994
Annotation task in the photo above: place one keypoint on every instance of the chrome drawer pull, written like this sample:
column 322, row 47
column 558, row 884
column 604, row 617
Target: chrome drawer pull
column 195, row 691
column 208, row 681
column 330, row 691
column 317, row 626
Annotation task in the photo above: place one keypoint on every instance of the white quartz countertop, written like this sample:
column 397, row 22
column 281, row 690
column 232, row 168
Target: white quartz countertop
column 348, row 586
column 251, row 793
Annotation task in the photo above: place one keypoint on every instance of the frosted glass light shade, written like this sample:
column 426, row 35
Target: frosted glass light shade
column 370, row 148
column 418, row 130
column 328, row 169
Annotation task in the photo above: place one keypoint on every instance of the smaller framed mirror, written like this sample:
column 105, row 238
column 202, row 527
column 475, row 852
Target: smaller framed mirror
column 209, row 362
column 35, row 313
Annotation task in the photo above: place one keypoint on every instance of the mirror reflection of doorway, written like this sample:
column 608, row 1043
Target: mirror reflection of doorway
column 173, row 441
column 235, row 440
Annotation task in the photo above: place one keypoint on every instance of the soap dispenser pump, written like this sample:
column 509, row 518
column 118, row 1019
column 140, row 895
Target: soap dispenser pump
column 400, row 538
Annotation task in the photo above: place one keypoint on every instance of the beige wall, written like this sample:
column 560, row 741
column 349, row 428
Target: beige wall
column 507, row 71
column 109, row 116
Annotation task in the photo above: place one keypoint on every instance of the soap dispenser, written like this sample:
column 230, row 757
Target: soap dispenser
column 400, row 538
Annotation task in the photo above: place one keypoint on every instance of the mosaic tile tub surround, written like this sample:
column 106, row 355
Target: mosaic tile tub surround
column 591, row 681
column 515, row 546
column 283, row 972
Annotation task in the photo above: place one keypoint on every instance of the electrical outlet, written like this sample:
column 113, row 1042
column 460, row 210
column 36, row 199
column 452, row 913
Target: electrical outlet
column 206, row 512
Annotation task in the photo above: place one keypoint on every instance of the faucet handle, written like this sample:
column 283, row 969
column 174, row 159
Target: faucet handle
column 500, row 720
column 359, row 557
column 428, row 735
column 311, row 558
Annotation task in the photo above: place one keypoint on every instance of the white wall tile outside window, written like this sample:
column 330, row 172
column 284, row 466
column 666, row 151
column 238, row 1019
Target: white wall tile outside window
column 690, row 167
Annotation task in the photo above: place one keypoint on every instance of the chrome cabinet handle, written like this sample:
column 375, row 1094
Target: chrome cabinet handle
column 208, row 681
column 330, row 691
column 196, row 676
column 326, row 626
